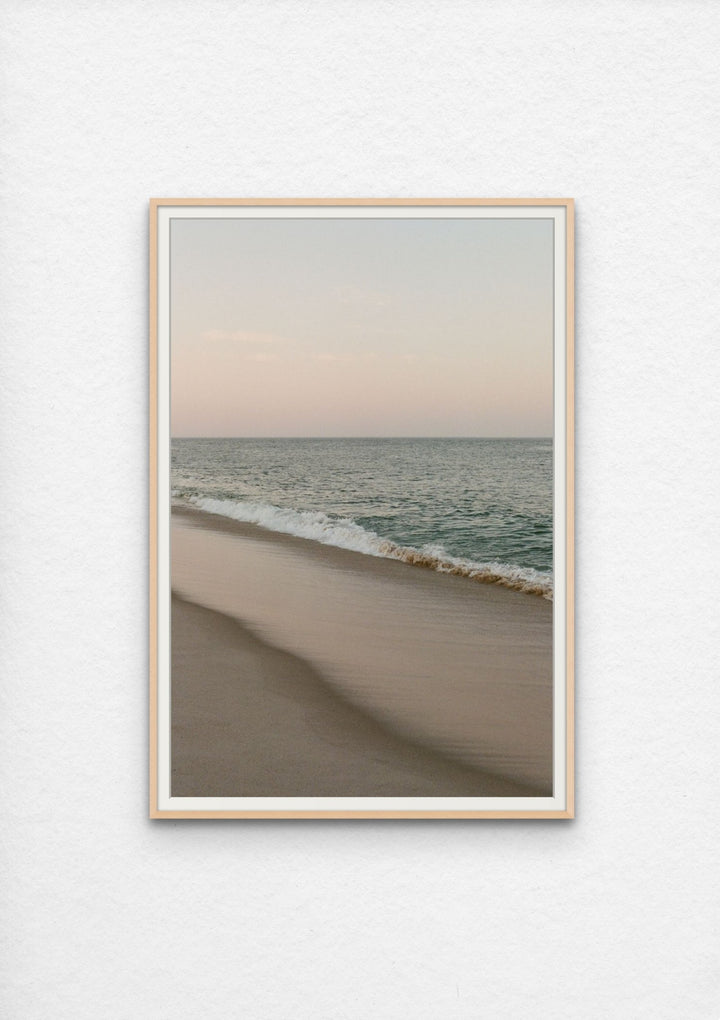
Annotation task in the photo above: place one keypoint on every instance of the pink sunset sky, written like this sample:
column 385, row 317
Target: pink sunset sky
column 361, row 327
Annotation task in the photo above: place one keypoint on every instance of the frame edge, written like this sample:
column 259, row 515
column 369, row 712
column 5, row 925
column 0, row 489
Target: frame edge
column 157, row 813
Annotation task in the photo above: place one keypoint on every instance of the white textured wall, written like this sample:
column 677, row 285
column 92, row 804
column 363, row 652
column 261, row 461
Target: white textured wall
column 107, row 915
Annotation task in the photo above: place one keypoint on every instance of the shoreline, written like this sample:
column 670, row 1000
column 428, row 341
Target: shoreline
column 459, row 669
column 335, row 555
column 514, row 577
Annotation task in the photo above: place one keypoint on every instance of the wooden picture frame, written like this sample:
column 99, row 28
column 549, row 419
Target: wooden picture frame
column 488, row 236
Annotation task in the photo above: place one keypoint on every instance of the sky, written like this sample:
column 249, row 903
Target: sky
column 361, row 327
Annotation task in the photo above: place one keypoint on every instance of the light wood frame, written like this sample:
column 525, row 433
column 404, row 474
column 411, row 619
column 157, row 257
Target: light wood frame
column 568, row 810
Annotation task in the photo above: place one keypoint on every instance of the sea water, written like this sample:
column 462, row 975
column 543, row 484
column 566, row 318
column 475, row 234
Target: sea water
column 477, row 507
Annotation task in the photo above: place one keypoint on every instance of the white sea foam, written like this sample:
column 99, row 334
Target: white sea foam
column 347, row 534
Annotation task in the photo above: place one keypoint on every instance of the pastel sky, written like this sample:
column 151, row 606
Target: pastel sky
column 361, row 327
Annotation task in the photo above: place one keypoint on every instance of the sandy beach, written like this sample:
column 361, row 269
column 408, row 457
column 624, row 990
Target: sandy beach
column 300, row 669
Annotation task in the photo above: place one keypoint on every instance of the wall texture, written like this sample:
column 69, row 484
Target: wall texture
column 107, row 915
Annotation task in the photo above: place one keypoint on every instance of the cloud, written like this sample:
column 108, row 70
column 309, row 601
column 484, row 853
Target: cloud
column 351, row 357
column 241, row 336
column 263, row 357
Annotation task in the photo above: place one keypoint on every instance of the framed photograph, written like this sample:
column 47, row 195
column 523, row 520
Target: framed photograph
column 361, row 508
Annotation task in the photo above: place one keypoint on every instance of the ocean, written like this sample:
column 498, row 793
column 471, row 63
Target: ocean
column 482, row 508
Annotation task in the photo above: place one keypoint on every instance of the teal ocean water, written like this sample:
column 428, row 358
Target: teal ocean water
column 477, row 507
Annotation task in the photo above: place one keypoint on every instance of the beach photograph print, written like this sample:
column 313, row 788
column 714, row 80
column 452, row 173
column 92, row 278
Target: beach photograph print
column 361, row 508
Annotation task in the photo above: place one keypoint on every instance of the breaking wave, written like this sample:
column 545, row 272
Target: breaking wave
column 347, row 534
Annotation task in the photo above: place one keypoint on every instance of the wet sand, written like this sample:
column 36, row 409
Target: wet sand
column 249, row 720
column 305, row 670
